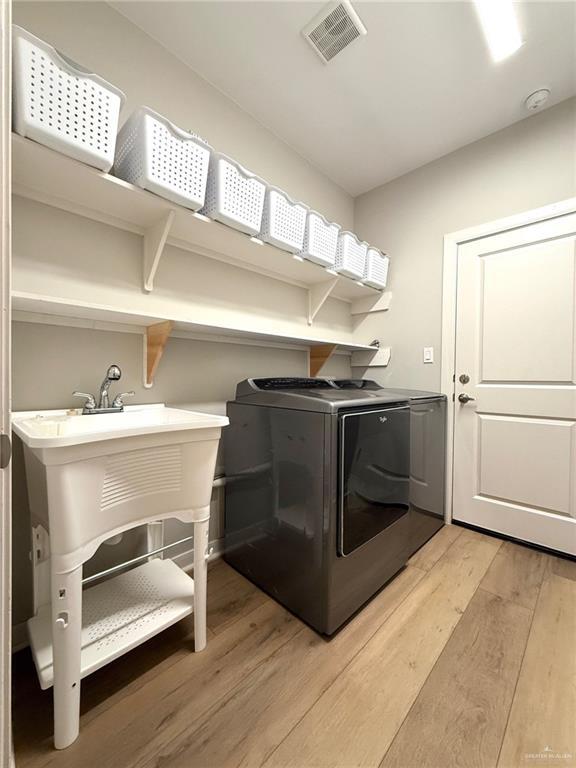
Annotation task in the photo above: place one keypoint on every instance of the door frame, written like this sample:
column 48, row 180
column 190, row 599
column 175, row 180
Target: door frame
column 6, row 756
column 452, row 243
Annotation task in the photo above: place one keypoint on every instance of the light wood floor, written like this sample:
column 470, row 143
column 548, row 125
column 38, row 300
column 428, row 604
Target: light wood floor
column 467, row 658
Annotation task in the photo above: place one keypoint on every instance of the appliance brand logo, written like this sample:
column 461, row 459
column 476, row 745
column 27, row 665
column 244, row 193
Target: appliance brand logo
column 383, row 419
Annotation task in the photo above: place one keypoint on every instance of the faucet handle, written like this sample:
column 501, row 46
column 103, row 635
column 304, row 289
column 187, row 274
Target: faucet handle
column 90, row 401
column 118, row 400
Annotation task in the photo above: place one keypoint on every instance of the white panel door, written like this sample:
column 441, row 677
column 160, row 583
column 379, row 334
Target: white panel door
column 515, row 438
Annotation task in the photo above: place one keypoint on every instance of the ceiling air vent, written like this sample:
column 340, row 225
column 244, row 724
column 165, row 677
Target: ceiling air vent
column 333, row 29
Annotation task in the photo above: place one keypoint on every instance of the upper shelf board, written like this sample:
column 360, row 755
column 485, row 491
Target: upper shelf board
column 49, row 177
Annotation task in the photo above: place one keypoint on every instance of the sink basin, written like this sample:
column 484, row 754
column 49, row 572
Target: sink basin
column 90, row 477
column 59, row 428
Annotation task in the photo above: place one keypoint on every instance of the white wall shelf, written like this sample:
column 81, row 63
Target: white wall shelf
column 52, row 306
column 46, row 176
column 38, row 308
column 375, row 358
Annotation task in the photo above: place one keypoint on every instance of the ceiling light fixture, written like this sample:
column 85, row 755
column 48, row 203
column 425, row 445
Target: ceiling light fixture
column 500, row 25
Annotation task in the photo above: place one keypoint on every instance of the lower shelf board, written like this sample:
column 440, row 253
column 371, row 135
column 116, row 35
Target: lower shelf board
column 118, row 615
column 32, row 307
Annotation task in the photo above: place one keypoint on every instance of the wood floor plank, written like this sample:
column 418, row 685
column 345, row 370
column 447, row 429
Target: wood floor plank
column 355, row 720
column 268, row 690
column 561, row 566
column 234, row 597
column 116, row 736
column 542, row 724
column 459, row 717
column 428, row 555
column 219, row 574
column 517, row 573
column 32, row 708
column 245, row 729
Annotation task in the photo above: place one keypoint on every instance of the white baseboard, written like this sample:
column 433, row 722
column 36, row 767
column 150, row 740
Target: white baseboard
column 19, row 636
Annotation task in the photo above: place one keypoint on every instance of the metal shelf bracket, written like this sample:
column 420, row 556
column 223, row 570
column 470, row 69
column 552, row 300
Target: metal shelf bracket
column 317, row 295
column 154, row 241
column 369, row 304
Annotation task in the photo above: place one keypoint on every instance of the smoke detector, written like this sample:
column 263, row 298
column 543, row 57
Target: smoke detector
column 537, row 99
column 333, row 29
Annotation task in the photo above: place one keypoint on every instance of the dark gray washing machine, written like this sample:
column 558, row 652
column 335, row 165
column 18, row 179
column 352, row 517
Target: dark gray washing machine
column 318, row 510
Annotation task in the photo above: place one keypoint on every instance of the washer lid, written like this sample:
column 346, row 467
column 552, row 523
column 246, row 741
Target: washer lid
column 322, row 395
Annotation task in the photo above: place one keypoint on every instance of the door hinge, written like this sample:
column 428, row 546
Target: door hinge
column 5, row 451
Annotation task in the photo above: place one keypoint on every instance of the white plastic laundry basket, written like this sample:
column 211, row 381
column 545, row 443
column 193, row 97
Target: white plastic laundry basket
column 62, row 105
column 283, row 221
column 320, row 240
column 376, row 270
column 351, row 255
column 234, row 195
column 154, row 154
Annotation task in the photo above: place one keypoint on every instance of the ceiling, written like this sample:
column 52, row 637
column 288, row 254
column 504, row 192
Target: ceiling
column 418, row 86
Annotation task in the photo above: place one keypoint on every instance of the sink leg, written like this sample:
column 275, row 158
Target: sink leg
column 67, row 647
column 200, row 582
column 155, row 538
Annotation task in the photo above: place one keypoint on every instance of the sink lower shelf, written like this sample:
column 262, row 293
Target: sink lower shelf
column 118, row 615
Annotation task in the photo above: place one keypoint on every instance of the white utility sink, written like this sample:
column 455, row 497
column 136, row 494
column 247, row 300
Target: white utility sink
column 59, row 428
column 91, row 477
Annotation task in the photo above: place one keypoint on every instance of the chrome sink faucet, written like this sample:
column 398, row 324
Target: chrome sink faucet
column 112, row 374
column 90, row 407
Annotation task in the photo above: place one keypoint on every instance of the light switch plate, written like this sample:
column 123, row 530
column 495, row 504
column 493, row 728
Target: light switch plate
column 428, row 354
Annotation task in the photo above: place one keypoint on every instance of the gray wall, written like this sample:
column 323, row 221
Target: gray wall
column 530, row 164
column 50, row 362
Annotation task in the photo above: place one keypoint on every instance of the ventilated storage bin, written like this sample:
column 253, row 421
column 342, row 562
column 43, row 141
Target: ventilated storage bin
column 154, row 154
column 351, row 255
column 234, row 195
column 320, row 240
column 283, row 221
column 60, row 104
column 376, row 270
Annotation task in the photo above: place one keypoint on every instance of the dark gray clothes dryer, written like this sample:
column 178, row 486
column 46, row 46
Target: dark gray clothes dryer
column 427, row 455
column 318, row 510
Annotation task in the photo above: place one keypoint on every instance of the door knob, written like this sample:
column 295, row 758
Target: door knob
column 464, row 398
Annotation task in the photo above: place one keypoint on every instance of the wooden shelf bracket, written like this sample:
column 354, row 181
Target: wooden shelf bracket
column 154, row 241
column 319, row 355
column 155, row 339
column 317, row 295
